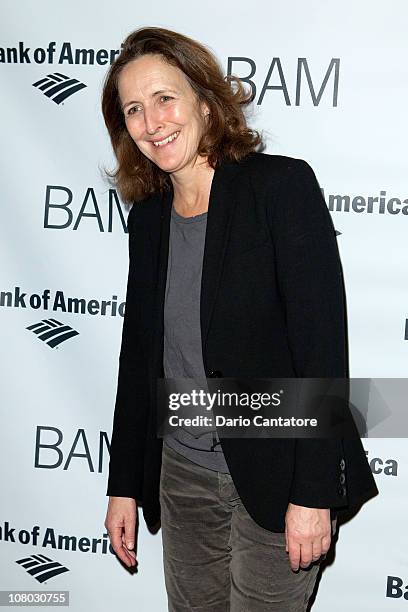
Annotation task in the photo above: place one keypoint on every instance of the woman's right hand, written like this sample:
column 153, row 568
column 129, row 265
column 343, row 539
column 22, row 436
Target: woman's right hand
column 120, row 523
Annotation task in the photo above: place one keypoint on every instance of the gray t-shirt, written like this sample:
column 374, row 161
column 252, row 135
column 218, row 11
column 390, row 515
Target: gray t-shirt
column 182, row 332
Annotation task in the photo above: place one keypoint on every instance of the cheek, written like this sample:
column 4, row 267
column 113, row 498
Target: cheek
column 134, row 129
column 174, row 114
column 180, row 113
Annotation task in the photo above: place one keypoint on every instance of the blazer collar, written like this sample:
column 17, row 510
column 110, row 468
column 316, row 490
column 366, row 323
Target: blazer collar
column 222, row 201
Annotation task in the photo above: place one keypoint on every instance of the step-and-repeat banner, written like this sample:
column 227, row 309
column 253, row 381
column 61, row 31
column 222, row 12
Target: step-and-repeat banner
column 330, row 84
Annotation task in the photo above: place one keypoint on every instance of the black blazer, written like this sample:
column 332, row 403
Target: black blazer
column 272, row 305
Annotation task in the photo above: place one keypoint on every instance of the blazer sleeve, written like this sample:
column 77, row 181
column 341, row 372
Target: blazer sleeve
column 311, row 287
column 129, row 421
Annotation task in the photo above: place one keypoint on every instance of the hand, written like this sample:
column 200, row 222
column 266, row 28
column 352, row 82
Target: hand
column 308, row 534
column 120, row 523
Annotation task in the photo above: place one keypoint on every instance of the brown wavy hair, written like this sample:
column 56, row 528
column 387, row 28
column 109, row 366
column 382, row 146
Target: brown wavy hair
column 226, row 135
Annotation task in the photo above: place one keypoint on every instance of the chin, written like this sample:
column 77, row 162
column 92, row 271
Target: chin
column 169, row 166
column 163, row 166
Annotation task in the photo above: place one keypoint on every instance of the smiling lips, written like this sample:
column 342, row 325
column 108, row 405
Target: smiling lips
column 165, row 141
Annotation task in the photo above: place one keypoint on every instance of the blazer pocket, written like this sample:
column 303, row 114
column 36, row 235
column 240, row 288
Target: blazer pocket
column 249, row 248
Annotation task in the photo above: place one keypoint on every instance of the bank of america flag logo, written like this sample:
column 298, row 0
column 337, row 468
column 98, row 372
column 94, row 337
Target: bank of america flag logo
column 42, row 568
column 52, row 332
column 58, row 86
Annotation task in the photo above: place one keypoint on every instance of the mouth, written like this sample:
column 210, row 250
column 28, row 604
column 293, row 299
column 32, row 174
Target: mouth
column 166, row 141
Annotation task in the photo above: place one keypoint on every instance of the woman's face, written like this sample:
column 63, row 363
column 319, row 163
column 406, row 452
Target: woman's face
column 158, row 101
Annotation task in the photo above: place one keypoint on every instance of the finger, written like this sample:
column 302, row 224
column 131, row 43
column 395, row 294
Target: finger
column 316, row 549
column 286, row 540
column 116, row 538
column 130, row 553
column 115, row 535
column 129, row 537
column 128, row 557
column 325, row 543
column 129, row 533
column 306, row 553
column 294, row 554
column 129, row 550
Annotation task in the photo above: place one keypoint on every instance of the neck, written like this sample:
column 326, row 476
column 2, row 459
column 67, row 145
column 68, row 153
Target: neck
column 191, row 187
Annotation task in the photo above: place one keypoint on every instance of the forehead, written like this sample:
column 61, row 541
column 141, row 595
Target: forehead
column 148, row 73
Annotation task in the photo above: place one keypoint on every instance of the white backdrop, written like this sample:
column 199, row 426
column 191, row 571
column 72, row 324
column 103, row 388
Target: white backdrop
column 57, row 401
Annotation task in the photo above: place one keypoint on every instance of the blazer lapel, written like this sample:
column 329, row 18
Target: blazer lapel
column 221, row 206
column 162, row 233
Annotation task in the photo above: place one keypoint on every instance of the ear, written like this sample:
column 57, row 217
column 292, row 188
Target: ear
column 205, row 109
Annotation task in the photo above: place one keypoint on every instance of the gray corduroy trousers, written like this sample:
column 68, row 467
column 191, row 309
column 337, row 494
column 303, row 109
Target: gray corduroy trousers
column 216, row 558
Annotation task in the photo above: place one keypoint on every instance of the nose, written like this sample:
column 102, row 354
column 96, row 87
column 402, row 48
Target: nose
column 153, row 122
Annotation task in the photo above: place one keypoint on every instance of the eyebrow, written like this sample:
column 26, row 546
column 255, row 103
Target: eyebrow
column 160, row 91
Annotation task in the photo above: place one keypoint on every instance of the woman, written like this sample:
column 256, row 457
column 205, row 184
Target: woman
column 234, row 271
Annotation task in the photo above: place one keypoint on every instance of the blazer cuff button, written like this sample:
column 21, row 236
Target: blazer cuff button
column 215, row 374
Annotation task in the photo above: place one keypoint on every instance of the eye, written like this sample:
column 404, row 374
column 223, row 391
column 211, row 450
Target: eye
column 132, row 110
column 168, row 98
